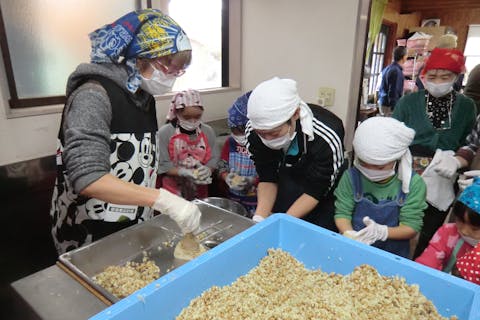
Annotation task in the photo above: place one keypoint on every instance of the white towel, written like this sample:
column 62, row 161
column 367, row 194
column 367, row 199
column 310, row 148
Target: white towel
column 275, row 101
column 380, row 140
column 440, row 193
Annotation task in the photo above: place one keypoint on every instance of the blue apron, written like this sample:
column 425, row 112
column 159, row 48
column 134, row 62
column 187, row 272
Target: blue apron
column 386, row 212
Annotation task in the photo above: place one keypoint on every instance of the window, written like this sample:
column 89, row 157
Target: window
column 472, row 54
column 205, row 35
column 41, row 49
column 377, row 59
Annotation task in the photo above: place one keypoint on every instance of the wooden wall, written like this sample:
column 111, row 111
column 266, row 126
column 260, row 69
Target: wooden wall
column 403, row 21
column 457, row 14
column 458, row 19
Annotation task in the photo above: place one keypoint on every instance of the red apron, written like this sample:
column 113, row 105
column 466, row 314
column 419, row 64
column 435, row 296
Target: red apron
column 187, row 151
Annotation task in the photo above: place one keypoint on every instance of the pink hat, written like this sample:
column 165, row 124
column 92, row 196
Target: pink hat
column 186, row 98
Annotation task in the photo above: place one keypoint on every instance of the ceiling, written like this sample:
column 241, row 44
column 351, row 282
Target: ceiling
column 408, row 6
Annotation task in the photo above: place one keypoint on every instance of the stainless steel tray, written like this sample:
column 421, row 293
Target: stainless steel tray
column 156, row 237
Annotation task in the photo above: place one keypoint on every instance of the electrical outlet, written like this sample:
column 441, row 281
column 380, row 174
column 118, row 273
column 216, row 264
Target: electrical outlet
column 326, row 96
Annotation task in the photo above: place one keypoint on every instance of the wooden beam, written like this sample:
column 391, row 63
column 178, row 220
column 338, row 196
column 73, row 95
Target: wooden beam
column 409, row 6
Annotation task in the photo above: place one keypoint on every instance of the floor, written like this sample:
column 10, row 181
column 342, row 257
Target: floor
column 25, row 240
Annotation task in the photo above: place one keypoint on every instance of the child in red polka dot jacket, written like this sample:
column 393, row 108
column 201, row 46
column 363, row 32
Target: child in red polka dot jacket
column 454, row 247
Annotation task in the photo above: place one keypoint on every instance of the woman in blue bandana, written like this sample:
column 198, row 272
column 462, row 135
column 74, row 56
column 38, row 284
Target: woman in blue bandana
column 107, row 147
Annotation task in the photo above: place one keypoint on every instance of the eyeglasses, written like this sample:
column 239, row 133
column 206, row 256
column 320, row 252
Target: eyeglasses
column 156, row 64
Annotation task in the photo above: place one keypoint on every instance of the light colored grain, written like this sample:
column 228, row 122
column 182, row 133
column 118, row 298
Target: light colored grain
column 280, row 287
column 121, row 281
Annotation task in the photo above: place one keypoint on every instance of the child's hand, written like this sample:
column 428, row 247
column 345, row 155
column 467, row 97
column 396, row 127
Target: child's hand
column 203, row 175
column 237, row 182
column 186, row 173
column 372, row 232
column 350, row 234
column 204, row 172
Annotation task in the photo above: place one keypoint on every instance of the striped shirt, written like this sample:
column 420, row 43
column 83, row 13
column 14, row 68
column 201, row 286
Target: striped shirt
column 319, row 162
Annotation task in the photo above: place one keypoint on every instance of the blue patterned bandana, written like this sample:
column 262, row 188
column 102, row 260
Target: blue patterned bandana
column 144, row 33
column 237, row 114
column 471, row 195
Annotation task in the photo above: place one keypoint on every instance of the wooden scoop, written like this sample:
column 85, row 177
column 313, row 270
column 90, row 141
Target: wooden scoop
column 189, row 242
column 188, row 248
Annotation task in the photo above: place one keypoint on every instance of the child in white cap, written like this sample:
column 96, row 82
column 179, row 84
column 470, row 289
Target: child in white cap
column 297, row 149
column 378, row 201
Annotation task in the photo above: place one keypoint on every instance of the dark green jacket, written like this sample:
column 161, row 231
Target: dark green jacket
column 410, row 109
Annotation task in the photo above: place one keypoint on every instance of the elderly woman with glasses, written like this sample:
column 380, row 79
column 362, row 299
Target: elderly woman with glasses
column 442, row 118
column 107, row 143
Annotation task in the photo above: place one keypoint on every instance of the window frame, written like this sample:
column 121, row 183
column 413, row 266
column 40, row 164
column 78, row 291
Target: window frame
column 391, row 30
column 33, row 106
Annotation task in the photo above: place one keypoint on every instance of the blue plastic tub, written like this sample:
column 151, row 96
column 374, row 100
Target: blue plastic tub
column 310, row 244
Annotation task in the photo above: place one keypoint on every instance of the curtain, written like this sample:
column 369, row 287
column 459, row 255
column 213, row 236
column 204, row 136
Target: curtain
column 376, row 17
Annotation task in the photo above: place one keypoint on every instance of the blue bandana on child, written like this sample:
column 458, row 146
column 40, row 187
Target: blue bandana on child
column 144, row 33
column 237, row 114
column 471, row 195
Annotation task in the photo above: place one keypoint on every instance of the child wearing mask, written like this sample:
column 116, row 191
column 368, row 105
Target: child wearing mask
column 379, row 201
column 187, row 152
column 235, row 166
column 455, row 245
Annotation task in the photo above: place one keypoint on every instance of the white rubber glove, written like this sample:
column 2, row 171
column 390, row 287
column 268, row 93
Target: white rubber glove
column 258, row 218
column 204, row 172
column 186, row 173
column 203, row 175
column 372, row 232
column 467, row 179
column 237, row 182
column 448, row 165
column 185, row 213
column 352, row 234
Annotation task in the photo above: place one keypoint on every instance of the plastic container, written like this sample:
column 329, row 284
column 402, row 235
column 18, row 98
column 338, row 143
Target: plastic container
column 314, row 246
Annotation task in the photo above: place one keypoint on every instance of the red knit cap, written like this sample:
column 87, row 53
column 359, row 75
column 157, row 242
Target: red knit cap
column 469, row 265
column 447, row 59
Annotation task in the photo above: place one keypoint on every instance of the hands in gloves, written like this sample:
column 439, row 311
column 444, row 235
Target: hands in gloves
column 258, row 218
column 201, row 175
column 468, row 179
column 203, row 172
column 183, row 212
column 186, row 173
column 372, row 232
column 448, row 165
column 237, row 182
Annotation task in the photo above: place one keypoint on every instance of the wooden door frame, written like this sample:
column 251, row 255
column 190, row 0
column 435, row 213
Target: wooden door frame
column 391, row 41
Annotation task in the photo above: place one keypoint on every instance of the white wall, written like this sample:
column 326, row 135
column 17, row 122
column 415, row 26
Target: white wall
column 310, row 41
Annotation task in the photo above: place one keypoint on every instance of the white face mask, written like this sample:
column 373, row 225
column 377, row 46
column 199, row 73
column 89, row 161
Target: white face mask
column 240, row 139
column 280, row 143
column 158, row 84
column 374, row 174
column 188, row 124
column 439, row 89
column 471, row 241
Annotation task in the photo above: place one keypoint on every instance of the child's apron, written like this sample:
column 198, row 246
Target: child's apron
column 239, row 160
column 386, row 212
column 187, row 151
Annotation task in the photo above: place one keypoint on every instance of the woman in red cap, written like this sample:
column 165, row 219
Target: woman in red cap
column 442, row 119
